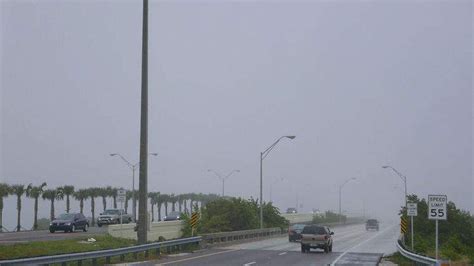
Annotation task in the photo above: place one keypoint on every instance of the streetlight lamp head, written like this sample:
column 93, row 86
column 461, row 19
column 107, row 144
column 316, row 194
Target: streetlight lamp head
column 291, row 137
column 113, row 154
column 154, row 154
column 385, row 166
column 354, row 178
column 238, row 171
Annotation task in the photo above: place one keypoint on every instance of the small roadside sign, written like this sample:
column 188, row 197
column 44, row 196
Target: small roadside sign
column 403, row 225
column 437, row 207
column 412, row 209
column 194, row 219
column 121, row 195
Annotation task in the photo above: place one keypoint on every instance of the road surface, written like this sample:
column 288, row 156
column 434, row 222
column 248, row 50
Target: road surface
column 353, row 245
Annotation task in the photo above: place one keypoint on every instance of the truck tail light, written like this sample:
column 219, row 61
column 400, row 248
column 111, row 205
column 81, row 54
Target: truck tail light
column 326, row 237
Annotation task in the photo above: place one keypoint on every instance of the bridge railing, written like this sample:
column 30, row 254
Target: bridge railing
column 224, row 237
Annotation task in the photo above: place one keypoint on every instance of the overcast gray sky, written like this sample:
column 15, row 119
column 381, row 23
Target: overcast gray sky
column 360, row 83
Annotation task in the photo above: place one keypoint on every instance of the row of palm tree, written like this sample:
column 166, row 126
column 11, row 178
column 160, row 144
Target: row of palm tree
column 59, row 193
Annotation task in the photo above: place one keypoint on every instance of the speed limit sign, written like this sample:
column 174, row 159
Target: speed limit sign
column 437, row 207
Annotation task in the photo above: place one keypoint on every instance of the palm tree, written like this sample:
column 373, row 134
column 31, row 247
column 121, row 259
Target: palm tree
column 18, row 190
column 165, row 198
column 159, row 202
column 128, row 196
column 113, row 193
column 34, row 193
column 4, row 192
column 104, row 194
column 93, row 193
column 68, row 191
column 180, row 202
column 152, row 197
column 53, row 195
column 81, row 195
column 173, row 200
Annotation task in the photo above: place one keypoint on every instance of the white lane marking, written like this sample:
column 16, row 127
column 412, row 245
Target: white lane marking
column 363, row 242
column 197, row 257
column 250, row 263
column 283, row 253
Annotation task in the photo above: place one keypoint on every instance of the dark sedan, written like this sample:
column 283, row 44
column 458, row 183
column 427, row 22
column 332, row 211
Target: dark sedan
column 294, row 232
column 69, row 222
column 172, row 216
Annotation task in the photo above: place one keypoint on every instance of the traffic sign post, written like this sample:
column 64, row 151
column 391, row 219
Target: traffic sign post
column 194, row 221
column 412, row 210
column 121, row 194
column 437, row 210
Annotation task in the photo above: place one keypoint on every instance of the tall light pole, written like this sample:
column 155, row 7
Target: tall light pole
column 340, row 196
column 262, row 156
column 404, row 179
column 133, row 167
column 223, row 178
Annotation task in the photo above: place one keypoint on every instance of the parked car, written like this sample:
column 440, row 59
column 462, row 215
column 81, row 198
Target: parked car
column 172, row 216
column 112, row 216
column 372, row 224
column 316, row 236
column 294, row 232
column 291, row 210
column 69, row 222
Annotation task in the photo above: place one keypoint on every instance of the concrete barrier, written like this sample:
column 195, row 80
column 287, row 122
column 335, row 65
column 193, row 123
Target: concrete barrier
column 168, row 230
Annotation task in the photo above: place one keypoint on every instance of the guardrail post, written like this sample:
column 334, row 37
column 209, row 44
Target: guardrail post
column 122, row 257
column 107, row 260
column 158, row 251
column 146, row 254
column 135, row 255
column 94, row 261
column 64, row 264
column 79, row 263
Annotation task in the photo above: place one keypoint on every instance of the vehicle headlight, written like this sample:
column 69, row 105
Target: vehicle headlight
column 50, row 223
column 68, row 223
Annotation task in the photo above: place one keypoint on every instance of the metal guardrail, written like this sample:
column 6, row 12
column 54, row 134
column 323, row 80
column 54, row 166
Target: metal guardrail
column 107, row 254
column 413, row 256
column 223, row 237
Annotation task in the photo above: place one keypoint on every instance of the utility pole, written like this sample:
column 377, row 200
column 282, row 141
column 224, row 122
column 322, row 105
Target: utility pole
column 143, row 178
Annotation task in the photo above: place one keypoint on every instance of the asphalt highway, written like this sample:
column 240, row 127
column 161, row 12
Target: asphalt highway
column 43, row 235
column 353, row 245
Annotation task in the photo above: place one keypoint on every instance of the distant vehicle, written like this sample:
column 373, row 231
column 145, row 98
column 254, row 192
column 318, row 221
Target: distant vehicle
column 294, row 232
column 69, row 222
column 291, row 210
column 112, row 216
column 372, row 224
column 172, row 216
column 316, row 236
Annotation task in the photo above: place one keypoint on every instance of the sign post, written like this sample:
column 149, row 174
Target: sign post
column 412, row 210
column 121, row 198
column 194, row 221
column 437, row 205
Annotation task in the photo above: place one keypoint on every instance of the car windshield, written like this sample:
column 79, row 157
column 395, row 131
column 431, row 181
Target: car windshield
column 372, row 222
column 173, row 214
column 315, row 230
column 111, row 212
column 66, row 216
column 298, row 226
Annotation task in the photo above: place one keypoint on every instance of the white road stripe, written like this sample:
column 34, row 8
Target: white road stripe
column 363, row 242
column 250, row 263
column 283, row 253
column 197, row 257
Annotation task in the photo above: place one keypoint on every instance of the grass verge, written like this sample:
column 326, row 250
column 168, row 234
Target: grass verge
column 45, row 248
column 398, row 259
